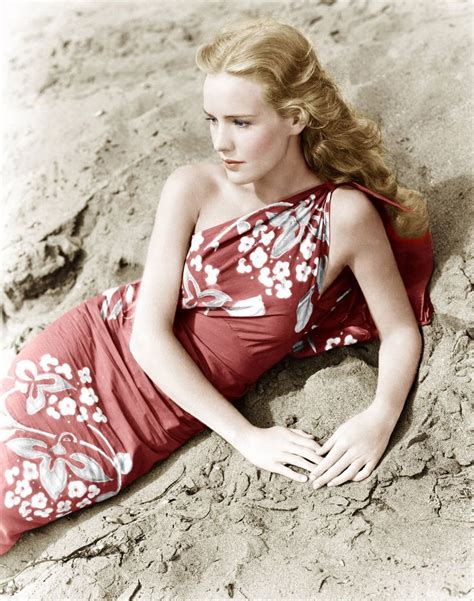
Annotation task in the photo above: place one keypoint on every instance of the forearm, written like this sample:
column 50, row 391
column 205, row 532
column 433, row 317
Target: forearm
column 170, row 367
column 399, row 357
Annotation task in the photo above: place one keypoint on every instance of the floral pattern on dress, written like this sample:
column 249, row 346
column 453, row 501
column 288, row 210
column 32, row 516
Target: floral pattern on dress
column 115, row 304
column 275, row 256
column 63, row 466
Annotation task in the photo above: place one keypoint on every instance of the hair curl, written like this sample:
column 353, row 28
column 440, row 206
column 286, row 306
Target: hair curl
column 338, row 143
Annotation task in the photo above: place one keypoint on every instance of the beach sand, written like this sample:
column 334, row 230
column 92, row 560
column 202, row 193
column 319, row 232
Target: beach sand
column 101, row 103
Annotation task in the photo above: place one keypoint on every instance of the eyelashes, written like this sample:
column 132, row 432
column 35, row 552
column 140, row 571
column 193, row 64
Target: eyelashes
column 241, row 124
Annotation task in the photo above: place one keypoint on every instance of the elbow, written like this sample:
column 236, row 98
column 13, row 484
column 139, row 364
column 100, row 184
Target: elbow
column 142, row 346
column 407, row 337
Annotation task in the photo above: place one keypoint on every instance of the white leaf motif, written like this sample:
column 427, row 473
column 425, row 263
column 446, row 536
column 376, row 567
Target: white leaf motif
column 304, row 310
column 247, row 307
column 123, row 462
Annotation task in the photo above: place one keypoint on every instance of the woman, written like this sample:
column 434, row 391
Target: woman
column 305, row 244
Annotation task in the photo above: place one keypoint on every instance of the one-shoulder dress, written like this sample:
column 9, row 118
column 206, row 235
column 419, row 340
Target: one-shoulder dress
column 80, row 420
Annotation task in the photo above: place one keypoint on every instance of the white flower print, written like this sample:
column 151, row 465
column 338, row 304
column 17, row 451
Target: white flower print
column 212, row 273
column 98, row 416
column 39, row 500
column 245, row 244
column 196, row 262
column 67, row 406
column 76, row 488
column 11, row 500
column 281, row 270
column 11, row 473
column 46, row 361
column 64, row 506
column 88, row 396
column 84, row 415
column 283, row 288
column 52, row 399
column 23, row 488
column 84, row 375
column 331, row 342
column 44, row 513
column 65, row 369
column 196, row 241
column 242, row 267
column 30, row 471
column 316, row 266
column 258, row 257
column 85, row 501
column 302, row 271
column 266, row 238
column 259, row 228
column 265, row 277
column 307, row 247
column 93, row 491
column 53, row 413
column 24, row 508
column 35, row 384
column 349, row 339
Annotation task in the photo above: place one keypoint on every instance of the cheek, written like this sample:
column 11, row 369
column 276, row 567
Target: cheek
column 262, row 145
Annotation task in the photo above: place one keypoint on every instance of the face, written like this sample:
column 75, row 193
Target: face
column 244, row 128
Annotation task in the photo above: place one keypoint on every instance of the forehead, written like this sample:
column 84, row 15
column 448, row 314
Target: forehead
column 232, row 94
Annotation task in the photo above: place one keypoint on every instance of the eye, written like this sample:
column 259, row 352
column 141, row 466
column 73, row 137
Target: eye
column 241, row 124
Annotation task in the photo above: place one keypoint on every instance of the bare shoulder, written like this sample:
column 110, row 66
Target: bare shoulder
column 352, row 207
column 355, row 222
column 196, row 178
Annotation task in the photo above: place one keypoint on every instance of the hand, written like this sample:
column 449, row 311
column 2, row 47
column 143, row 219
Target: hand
column 354, row 449
column 272, row 448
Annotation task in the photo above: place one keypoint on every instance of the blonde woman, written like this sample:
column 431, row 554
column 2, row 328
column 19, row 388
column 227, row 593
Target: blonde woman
column 297, row 240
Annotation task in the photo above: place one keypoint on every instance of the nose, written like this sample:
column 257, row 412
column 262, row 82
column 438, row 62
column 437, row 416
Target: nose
column 221, row 139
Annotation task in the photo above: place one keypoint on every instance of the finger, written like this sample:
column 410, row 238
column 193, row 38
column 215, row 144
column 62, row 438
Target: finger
column 299, row 461
column 306, row 443
column 327, row 446
column 286, row 471
column 328, row 461
column 306, row 440
column 347, row 474
column 307, row 453
column 302, row 432
column 364, row 473
column 334, row 471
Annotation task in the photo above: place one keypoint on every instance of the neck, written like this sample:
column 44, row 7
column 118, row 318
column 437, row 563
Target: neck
column 289, row 176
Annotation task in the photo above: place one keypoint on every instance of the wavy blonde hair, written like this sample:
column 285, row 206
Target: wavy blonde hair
column 338, row 143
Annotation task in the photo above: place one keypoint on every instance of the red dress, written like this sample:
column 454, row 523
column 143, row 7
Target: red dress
column 79, row 418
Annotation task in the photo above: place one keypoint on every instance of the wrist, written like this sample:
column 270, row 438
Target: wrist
column 388, row 414
column 240, row 437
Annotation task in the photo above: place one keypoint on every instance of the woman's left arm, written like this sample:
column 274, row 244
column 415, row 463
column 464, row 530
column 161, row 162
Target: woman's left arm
column 356, row 446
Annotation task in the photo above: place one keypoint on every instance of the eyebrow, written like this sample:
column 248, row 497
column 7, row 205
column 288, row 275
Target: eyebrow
column 228, row 116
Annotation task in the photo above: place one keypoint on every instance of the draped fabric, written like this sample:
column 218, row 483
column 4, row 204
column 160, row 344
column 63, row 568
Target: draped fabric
column 79, row 418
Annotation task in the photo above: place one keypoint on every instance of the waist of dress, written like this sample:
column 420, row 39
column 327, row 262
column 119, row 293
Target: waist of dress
column 230, row 363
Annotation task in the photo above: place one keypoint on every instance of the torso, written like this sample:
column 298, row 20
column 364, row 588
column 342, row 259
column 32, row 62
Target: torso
column 223, row 201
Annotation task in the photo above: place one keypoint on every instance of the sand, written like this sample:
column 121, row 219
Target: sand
column 101, row 103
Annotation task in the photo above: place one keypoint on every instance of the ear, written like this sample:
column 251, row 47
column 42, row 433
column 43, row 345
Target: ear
column 297, row 124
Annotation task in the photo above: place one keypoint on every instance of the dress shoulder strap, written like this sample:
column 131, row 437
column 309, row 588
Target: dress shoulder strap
column 374, row 194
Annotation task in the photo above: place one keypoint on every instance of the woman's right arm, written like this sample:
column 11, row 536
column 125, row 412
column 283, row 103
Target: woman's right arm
column 166, row 362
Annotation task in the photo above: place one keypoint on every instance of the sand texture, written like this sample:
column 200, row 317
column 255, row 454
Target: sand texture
column 102, row 101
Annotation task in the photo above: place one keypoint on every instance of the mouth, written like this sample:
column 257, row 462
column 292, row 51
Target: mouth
column 232, row 162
